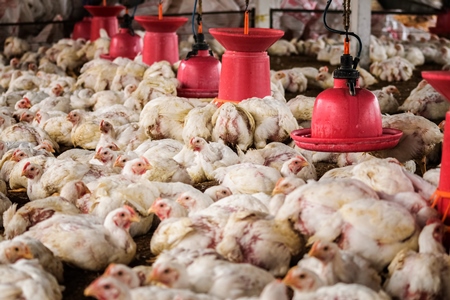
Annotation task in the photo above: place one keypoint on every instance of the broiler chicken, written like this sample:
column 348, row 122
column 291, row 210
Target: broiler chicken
column 30, row 248
column 307, row 286
column 233, row 125
column 342, row 266
column 248, row 178
column 299, row 167
column 393, row 69
column 386, row 99
column 273, row 120
column 85, row 133
column 431, row 264
column 28, row 280
column 259, row 239
column 208, row 158
column 91, row 245
column 198, row 123
column 164, row 117
column 207, row 274
column 109, row 287
column 165, row 208
column 425, row 101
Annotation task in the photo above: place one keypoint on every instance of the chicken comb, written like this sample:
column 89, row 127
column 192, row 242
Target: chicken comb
column 130, row 209
column 145, row 160
column 109, row 269
column 433, row 220
column 192, row 139
column 26, row 165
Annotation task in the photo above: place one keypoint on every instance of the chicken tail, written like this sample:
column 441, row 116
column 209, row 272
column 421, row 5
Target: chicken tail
column 9, row 214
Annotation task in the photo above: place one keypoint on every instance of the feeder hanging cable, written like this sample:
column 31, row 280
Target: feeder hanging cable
column 347, row 25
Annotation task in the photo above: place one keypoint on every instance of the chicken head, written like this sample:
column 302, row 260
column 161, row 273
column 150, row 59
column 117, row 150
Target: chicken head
column 302, row 279
column 123, row 273
column 324, row 251
column 106, row 288
column 24, row 103
column 125, row 216
column 17, row 250
column 31, row 170
column 171, row 274
column 27, row 117
column 197, row 143
column 18, row 155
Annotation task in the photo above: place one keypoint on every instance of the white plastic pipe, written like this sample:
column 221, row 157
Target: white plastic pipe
column 360, row 24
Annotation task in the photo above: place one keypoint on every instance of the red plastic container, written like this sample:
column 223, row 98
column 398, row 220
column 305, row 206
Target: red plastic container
column 199, row 76
column 104, row 17
column 440, row 81
column 82, row 29
column 124, row 44
column 345, row 123
column 442, row 25
column 160, row 40
column 245, row 64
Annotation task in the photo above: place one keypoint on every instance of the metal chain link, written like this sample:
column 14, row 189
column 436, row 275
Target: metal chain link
column 346, row 14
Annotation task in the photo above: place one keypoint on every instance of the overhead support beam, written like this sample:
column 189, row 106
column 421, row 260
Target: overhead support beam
column 360, row 24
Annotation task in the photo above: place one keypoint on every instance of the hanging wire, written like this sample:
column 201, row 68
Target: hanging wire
column 346, row 33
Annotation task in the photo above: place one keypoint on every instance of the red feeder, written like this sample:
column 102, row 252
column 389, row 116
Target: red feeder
column 104, row 17
column 124, row 44
column 160, row 40
column 346, row 118
column 440, row 81
column 82, row 29
column 245, row 64
column 199, row 73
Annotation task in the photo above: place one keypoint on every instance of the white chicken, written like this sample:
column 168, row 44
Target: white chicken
column 425, row 101
column 198, row 123
column 164, row 117
column 255, row 237
column 273, row 120
column 248, row 178
column 209, row 157
column 387, row 100
column 393, row 69
column 431, row 261
column 233, row 125
column 97, row 245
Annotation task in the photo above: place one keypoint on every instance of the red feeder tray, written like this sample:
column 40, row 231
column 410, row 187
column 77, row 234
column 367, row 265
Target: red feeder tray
column 245, row 64
column 124, row 44
column 82, row 29
column 345, row 123
column 160, row 40
column 440, row 81
column 104, row 17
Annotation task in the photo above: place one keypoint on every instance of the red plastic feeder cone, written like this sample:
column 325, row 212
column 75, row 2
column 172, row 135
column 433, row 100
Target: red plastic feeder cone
column 440, row 81
column 104, row 17
column 160, row 40
column 124, row 44
column 345, row 123
column 245, row 64
column 82, row 29
column 199, row 73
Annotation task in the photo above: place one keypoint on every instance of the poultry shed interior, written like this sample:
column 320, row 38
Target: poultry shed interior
column 113, row 186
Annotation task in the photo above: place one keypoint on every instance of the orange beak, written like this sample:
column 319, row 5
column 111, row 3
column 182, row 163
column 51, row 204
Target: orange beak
column 276, row 189
column 91, row 289
column 27, row 254
column 288, row 279
column 313, row 251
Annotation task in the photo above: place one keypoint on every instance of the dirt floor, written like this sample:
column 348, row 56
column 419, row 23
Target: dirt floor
column 77, row 280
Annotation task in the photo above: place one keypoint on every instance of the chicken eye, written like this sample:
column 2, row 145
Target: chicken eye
column 224, row 192
column 107, row 286
column 302, row 276
column 120, row 273
column 326, row 248
column 161, row 205
column 166, row 271
column 32, row 168
column 122, row 215
column 139, row 165
column 16, row 249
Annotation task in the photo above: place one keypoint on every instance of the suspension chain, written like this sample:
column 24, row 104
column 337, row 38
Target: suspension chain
column 346, row 14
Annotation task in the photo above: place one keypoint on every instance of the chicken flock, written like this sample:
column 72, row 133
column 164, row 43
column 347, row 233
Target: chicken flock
column 101, row 154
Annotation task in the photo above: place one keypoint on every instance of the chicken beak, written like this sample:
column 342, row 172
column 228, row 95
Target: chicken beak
column 135, row 218
column 287, row 280
column 276, row 189
column 90, row 290
column 27, row 254
column 313, row 251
